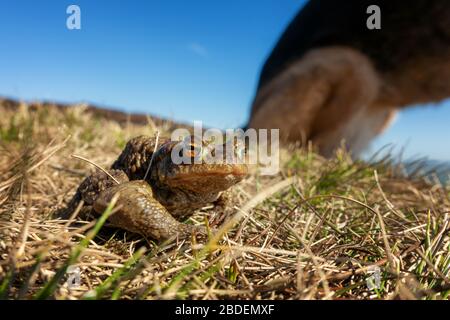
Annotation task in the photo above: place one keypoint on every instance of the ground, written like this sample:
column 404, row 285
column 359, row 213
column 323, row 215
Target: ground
column 320, row 229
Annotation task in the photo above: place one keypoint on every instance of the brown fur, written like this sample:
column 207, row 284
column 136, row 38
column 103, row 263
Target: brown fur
column 346, row 86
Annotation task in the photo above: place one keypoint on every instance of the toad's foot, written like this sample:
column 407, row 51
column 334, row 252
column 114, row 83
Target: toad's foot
column 89, row 190
column 138, row 211
column 222, row 209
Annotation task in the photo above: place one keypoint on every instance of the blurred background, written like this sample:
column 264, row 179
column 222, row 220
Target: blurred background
column 183, row 60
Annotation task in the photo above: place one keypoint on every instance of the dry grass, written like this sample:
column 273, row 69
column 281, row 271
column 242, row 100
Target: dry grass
column 314, row 231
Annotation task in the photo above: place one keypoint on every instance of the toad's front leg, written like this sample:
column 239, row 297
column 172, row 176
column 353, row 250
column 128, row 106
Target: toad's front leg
column 138, row 211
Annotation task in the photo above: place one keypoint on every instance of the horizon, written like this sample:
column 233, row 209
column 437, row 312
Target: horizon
column 177, row 60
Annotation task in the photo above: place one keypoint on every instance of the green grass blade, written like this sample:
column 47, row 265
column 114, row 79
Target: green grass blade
column 100, row 291
column 50, row 287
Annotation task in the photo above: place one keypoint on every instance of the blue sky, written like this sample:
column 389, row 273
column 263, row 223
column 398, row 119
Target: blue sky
column 186, row 60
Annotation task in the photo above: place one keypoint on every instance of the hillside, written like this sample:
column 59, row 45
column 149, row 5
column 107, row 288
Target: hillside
column 320, row 229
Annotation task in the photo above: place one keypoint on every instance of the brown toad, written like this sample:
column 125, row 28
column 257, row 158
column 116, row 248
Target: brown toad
column 151, row 203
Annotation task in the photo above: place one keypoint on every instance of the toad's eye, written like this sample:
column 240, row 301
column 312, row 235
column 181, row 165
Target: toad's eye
column 191, row 151
column 196, row 151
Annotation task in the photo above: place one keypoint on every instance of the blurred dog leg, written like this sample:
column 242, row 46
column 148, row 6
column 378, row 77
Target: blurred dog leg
column 356, row 134
column 322, row 97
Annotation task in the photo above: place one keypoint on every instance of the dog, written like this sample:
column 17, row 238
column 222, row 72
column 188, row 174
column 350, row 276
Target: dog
column 332, row 80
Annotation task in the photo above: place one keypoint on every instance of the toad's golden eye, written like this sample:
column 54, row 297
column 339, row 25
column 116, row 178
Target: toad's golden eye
column 190, row 150
column 193, row 150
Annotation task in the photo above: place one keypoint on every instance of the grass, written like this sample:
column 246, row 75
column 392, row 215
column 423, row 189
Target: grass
column 316, row 230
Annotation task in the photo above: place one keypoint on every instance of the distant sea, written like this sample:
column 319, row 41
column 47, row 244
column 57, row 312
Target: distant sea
column 430, row 168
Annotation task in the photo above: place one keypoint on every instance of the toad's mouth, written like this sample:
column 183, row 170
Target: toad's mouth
column 192, row 172
column 219, row 176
